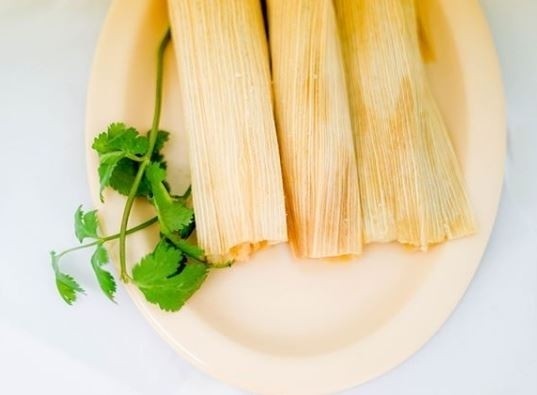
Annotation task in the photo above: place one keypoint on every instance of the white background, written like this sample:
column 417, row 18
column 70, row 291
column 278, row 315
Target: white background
column 489, row 346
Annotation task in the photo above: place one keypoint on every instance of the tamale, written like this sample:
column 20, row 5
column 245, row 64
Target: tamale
column 412, row 189
column 314, row 129
column 224, row 78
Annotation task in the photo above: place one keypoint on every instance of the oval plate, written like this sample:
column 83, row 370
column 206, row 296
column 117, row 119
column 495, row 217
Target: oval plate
column 275, row 325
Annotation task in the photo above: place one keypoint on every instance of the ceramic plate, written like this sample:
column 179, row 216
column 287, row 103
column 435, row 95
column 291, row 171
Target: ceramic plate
column 276, row 325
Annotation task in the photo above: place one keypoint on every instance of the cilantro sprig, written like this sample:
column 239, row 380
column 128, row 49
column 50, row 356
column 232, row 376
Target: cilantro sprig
column 133, row 165
column 87, row 227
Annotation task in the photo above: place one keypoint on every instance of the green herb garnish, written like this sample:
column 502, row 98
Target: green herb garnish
column 132, row 164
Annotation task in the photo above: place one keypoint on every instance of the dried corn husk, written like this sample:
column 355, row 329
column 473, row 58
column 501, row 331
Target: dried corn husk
column 314, row 129
column 223, row 65
column 411, row 185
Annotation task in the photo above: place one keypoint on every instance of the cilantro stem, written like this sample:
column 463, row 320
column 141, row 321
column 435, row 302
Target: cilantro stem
column 134, row 158
column 153, row 134
column 226, row 265
column 106, row 239
column 187, row 193
column 158, row 95
column 180, row 244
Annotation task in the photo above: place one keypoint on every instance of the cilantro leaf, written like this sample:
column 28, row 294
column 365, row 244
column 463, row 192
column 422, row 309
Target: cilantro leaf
column 105, row 279
column 162, row 139
column 86, row 224
column 67, row 286
column 120, row 138
column 107, row 166
column 117, row 144
column 187, row 231
column 125, row 171
column 123, row 178
column 173, row 214
column 157, row 277
column 120, row 150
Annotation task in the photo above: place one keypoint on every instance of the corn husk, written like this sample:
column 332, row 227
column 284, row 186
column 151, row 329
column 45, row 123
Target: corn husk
column 425, row 33
column 223, row 64
column 412, row 189
column 314, row 129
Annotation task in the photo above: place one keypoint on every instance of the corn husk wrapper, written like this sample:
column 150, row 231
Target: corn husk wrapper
column 412, row 189
column 223, row 65
column 314, row 129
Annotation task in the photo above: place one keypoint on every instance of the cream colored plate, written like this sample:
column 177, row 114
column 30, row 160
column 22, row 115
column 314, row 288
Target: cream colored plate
column 275, row 325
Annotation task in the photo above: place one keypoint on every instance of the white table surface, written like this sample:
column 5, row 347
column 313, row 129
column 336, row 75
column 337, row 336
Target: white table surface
column 489, row 346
